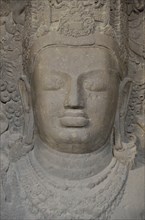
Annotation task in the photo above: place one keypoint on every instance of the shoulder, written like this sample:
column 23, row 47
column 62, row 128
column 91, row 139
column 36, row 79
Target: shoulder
column 132, row 205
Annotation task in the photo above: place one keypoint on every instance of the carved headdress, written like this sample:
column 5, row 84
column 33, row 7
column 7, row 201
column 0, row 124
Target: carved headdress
column 77, row 23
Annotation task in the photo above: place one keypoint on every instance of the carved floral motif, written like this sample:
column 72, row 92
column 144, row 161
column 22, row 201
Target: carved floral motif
column 41, row 198
column 10, row 67
column 60, row 3
column 136, row 63
column 77, row 21
column 139, row 5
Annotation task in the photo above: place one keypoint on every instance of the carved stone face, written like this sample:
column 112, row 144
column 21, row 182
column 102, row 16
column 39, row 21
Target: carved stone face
column 75, row 93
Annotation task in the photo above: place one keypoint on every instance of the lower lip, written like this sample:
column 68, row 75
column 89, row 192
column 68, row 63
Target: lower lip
column 74, row 121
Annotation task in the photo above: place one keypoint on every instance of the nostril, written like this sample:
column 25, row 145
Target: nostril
column 74, row 105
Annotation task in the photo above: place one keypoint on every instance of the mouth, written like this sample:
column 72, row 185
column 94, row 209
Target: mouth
column 75, row 119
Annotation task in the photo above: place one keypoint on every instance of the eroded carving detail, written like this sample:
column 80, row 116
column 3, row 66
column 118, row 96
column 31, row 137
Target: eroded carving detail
column 77, row 15
column 85, row 86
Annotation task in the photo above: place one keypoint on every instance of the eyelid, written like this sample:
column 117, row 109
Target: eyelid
column 91, row 84
column 97, row 72
column 54, row 84
column 59, row 74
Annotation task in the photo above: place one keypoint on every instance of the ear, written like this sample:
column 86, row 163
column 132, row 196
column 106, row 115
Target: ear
column 25, row 92
column 124, row 95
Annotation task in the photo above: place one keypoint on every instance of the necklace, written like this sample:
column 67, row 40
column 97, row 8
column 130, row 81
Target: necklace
column 50, row 197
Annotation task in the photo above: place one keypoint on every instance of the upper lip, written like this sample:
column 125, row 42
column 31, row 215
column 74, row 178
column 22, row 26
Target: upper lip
column 74, row 118
column 75, row 113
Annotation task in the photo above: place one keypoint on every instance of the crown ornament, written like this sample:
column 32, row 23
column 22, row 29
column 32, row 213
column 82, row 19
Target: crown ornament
column 77, row 22
column 74, row 18
column 79, row 18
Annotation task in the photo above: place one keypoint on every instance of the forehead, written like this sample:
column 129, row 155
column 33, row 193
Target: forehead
column 69, row 59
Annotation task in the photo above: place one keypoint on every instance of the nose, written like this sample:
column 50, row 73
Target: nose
column 74, row 97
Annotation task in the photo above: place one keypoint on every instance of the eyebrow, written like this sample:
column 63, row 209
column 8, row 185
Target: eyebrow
column 58, row 72
column 94, row 71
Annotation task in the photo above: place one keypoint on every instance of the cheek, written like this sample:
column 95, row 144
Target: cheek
column 96, row 102
column 48, row 104
column 102, row 107
column 110, row 108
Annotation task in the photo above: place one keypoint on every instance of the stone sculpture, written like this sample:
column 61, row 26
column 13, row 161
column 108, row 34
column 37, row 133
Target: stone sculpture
column 67, row 149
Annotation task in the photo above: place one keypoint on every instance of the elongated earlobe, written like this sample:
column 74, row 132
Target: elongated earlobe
column 124, row 151
column 125, row 90
column 25, row 92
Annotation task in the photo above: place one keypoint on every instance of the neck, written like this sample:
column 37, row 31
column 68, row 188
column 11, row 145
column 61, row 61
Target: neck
column 71, row 166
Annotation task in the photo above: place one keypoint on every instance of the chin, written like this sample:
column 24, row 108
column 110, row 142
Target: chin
column 73, row 135
column 66, row 137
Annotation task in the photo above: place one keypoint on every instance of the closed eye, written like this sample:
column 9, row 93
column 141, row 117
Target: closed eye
column 94, row 86
column 54, row 84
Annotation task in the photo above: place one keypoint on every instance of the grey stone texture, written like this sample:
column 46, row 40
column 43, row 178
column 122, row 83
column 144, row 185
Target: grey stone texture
column 72, row 114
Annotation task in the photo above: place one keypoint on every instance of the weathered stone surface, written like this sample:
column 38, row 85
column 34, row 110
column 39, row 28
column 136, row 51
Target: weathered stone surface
column 72, row 111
